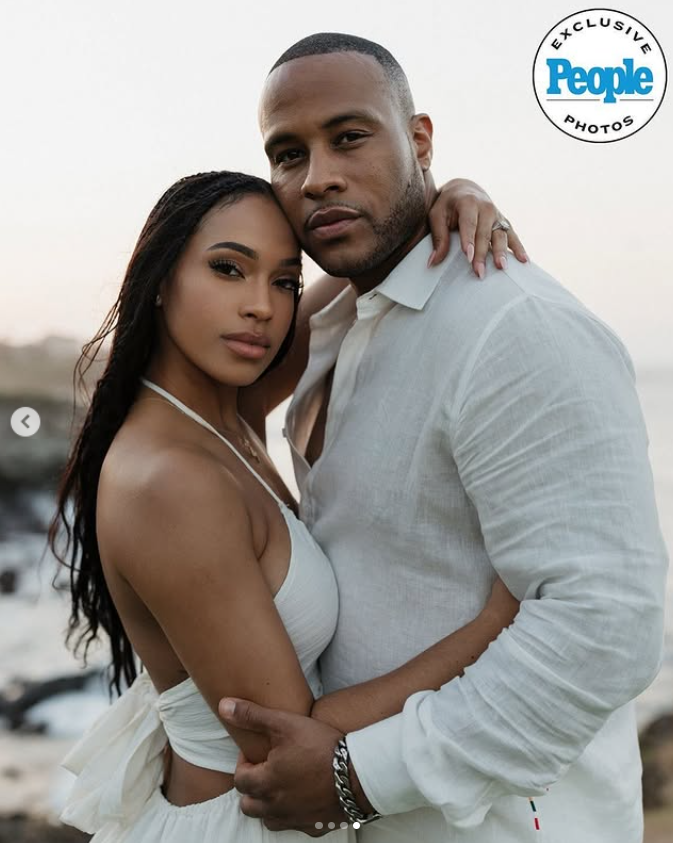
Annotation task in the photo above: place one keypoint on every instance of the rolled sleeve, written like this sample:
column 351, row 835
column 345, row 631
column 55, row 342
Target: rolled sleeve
column 548, row 437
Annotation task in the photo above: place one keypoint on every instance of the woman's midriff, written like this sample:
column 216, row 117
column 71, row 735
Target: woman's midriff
column 187, row 784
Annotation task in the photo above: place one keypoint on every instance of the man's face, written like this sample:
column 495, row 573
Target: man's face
column 343, row 162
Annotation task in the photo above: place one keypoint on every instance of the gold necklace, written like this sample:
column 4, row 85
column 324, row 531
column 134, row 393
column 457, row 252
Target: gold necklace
column 246, row 444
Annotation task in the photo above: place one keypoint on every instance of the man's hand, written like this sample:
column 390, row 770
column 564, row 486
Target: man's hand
column 464, row 205
column 294, row 787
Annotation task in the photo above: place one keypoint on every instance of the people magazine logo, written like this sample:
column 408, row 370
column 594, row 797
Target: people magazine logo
column 599, row 75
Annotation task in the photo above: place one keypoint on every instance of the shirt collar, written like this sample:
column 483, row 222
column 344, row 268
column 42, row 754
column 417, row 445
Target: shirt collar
column 411, row 283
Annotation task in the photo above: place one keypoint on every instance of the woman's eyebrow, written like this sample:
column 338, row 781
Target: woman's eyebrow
column 250, row 253
column 237, row 247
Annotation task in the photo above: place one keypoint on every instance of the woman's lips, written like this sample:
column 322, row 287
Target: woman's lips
column 246, row 349
column 334, row 229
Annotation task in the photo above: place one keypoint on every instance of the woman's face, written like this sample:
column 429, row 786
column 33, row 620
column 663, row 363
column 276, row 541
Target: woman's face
column 237, row 275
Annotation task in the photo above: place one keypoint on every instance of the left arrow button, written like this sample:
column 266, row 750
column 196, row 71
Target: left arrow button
column 25, row 421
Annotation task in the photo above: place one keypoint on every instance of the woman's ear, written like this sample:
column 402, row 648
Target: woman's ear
column 421, row 135
column 159, row 300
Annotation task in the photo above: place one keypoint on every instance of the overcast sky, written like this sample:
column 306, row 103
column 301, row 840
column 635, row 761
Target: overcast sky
column 104, row 105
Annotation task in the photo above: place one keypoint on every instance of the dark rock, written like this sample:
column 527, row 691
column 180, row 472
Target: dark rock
column 656, row 747
column 8, row 581
column 25, row 728
column 658, row 731
column 20, row 828
column 21, row 696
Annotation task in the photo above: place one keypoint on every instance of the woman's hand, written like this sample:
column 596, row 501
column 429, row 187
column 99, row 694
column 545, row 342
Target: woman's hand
column 462, row 204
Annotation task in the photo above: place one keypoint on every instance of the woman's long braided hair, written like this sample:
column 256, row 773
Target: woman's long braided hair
column 132, row 321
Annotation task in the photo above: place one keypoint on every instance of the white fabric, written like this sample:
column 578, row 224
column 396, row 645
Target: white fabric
column 474, row 428
column 119, row 761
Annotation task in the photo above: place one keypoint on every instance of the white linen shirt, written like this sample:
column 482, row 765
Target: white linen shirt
column 474, row 428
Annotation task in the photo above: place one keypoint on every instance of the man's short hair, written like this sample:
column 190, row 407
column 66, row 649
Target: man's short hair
column 323, row 43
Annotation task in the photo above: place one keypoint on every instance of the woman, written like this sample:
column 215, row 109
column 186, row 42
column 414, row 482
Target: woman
column 184, row 543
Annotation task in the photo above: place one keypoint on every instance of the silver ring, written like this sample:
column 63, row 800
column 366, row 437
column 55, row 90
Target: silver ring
column 501, row 225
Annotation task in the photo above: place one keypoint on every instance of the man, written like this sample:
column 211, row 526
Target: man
column 465, row 430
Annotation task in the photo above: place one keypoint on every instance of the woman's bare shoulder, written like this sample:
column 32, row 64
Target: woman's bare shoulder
column 148, row 488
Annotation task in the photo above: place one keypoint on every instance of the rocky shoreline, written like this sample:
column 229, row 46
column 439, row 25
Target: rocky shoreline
column 37, row 376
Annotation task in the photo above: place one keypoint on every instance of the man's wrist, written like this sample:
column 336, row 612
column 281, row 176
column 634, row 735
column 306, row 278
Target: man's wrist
column 352, row 798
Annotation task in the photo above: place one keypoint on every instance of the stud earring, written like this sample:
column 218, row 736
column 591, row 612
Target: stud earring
column 158, row 301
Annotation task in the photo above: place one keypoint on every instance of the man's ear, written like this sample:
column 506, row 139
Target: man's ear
column 421, row 136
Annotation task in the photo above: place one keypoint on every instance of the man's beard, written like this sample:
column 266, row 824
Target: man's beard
column 401, row 224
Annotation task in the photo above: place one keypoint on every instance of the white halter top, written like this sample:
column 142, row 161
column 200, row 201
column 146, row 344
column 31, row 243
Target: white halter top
column 119, row 760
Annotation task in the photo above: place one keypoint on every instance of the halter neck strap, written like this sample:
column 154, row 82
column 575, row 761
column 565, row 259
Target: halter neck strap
column 197, row 418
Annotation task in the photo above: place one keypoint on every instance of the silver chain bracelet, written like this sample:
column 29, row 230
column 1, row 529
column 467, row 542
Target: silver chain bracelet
column 343, row 786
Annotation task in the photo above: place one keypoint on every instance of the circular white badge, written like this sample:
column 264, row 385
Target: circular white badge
column 599, row 75
column 25, row 421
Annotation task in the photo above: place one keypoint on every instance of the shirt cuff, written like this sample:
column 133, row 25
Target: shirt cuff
column 376, row 753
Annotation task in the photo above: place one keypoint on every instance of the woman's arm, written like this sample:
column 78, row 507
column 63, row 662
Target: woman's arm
column 182, row 539
column 350, row 709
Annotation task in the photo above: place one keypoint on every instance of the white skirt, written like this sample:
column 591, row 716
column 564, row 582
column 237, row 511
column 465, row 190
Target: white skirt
column 217, row 820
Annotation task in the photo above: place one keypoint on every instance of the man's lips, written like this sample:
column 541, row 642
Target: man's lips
column 329, row 216
column 329, row 223
column 333, row 230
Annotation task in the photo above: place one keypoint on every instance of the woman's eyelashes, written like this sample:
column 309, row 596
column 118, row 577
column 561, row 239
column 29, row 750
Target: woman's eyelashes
column 294, row 284
column 225, row 267
column 230, row 269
